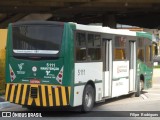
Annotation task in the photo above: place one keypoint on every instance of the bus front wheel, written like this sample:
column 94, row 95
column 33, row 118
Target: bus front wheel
column 88, row 98
column 141, row 85
column 140, row 88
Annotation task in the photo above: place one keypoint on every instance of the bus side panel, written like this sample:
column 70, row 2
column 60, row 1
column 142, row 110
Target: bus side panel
column 146, row 72
column 120, row 84
column 8, row 53
column 85, row 72
column 88, row 71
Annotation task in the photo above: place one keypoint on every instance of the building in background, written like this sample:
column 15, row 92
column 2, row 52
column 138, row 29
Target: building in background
column 3, row 38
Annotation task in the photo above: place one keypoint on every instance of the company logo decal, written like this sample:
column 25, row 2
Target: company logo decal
column 20, row 66
column 121, row 69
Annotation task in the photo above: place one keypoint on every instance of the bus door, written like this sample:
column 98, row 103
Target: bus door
column 132, row 66
column 107, row 67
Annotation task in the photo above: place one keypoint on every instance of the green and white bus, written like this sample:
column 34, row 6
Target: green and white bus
column 67, row 64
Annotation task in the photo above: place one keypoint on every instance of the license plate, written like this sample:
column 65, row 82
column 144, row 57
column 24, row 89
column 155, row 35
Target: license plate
column 34, row 81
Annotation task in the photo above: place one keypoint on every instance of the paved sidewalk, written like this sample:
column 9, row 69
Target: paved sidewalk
column 156, row 77
column 154, row 92
column 2, row 99
column 5, row 104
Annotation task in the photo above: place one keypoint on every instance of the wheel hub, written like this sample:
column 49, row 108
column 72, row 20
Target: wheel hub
column 88, row 99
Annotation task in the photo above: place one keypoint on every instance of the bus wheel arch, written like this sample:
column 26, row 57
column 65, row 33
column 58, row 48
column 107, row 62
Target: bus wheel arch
column 92, row 84
column 88, row 98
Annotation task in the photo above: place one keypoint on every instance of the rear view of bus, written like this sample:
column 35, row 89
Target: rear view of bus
column 36, row 72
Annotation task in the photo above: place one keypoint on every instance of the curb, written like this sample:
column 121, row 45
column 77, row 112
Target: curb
column 5, row 105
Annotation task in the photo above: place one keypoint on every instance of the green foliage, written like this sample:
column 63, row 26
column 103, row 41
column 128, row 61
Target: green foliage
column 158, row 66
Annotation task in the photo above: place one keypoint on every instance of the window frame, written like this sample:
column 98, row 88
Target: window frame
column 148, row 43
column 77, row 46
column 125, row 48
column 87, row 46
column 141, row 47
column 41, row 55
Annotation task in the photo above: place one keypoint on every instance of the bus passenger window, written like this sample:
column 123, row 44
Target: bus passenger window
column 94, row 40
column 94, row 53
column 119, row 54
column 90, row 39
column 97, row 41
column 94, row 44
column 81, row 39
column 88, row 47
column 81, row 50
column 141, row 54
column 148, row 54
column 120, row 48
column 81, row 54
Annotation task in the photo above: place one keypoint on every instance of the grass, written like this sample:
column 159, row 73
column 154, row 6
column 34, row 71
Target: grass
column 158, row 66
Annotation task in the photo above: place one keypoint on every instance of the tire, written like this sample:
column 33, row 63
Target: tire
column 141, row 85
column 140, row 88
column 88, row 98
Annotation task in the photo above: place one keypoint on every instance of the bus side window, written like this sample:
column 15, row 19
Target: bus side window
column 141, row 54
column 148, row 54
column 94, row 47
column 120, row 48
column 81, row 54
column 119, row 54
column 88, row 47
column 81, row 50
column 140, row 50
column 81, row 39
column 94, row 53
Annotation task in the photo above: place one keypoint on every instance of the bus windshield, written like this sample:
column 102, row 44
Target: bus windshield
column 36, row 40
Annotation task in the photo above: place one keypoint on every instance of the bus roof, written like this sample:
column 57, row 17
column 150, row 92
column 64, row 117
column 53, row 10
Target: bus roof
column 144, row 34
column 105, row 30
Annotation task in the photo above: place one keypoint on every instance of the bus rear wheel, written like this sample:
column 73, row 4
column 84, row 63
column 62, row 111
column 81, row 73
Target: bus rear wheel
column 88, row 98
